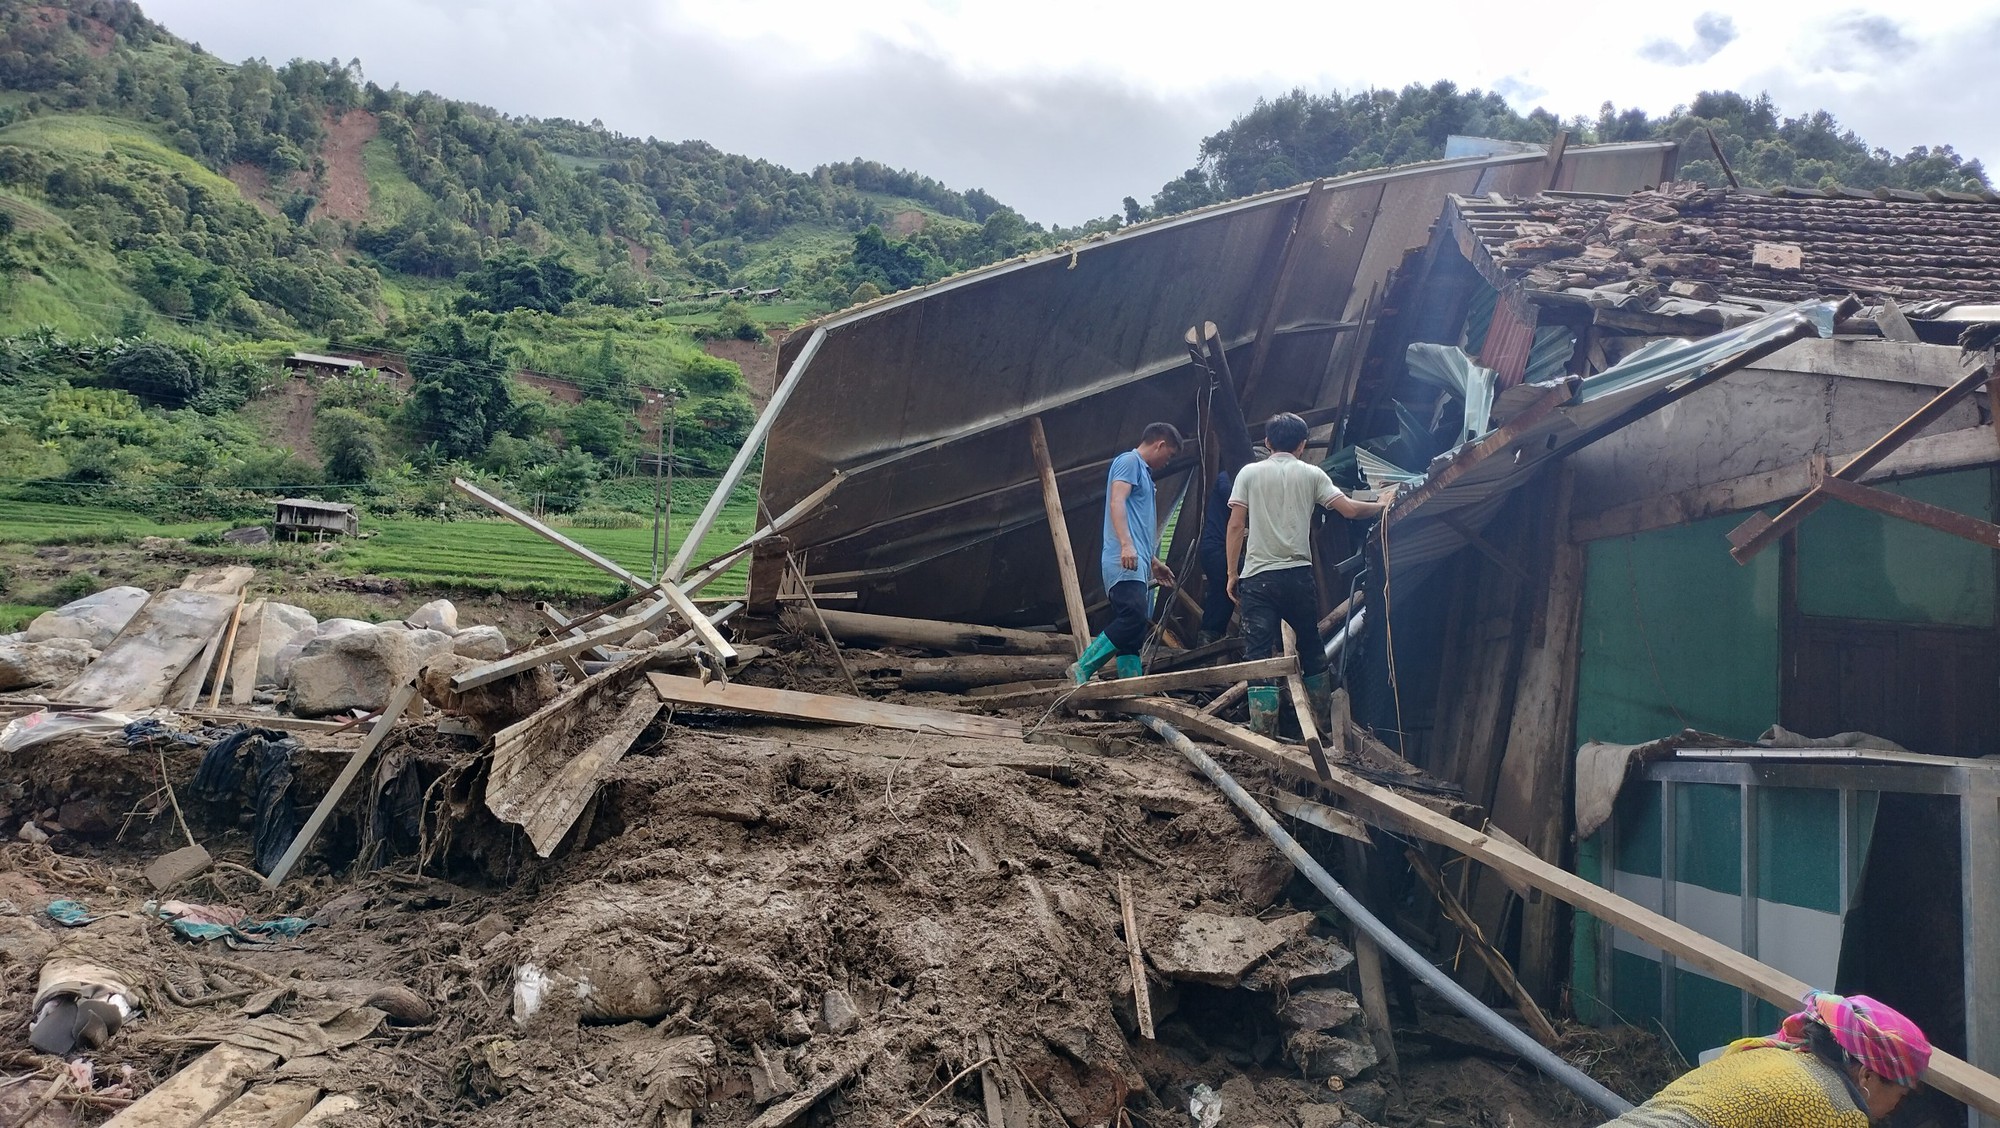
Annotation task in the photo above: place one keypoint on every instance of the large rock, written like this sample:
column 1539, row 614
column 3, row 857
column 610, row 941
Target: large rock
column 482, row 643
column 1320, row 1056
column 96, row 619
column 1221, row 950
column 437, row 615
column 289, row 654
column 59, row 661
column 282, row 623
column 362, row 669
column 1319, row 1008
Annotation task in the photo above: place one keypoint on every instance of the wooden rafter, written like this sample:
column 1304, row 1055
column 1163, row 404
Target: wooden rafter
column 1759, row 532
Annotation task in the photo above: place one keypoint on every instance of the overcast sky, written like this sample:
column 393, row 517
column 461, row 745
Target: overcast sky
column 1063, row 107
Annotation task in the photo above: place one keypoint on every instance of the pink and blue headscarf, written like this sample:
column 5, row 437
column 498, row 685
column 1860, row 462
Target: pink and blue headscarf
column 1873, row 1034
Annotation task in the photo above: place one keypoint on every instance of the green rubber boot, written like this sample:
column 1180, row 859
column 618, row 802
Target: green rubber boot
column 1095, row 655
column 1319, row 692
column 1264, row 710
column 1130, row 666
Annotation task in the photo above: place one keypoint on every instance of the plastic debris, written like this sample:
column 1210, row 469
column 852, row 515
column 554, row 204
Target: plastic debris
column 220, row 922
column 1205, row 1106
column 35, row 728
column 70, row 914
column 78, row 1004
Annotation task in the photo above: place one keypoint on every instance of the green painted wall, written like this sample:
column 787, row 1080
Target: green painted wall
column 1798, row 847
column 1857, row 564
column 1676, row 634
column 1708, row 836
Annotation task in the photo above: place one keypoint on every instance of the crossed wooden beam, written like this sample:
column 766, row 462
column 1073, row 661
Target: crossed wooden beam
column 1760, row 530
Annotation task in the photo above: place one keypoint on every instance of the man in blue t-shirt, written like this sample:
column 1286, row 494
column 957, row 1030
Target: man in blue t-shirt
column 1131, row 562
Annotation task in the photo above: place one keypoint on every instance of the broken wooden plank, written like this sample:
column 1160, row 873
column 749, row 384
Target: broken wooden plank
column 1392, row 811
column 1302, row 708
column 228, row 653
column 752, row 443
column 338, row 1104
column 968, row 638
column 1496, row 964
column 1142, row 995
column 190, row 1097
column 281, row 1104
column 1368, row 972
column 545, row 805
column 1753, row 536
column 796, row 706
column 270, row 721
column 615, row 631
column 147, row 659
column 1967, row 446
column 1079, row 619
column 795, row 1106
column 241, row 669
column 562, row 627
column 391, row 713
column 966, row 672
column 711, row 639
column 1145, row 684
column 1329, row 819
column 1947, row 521
column 185, row 693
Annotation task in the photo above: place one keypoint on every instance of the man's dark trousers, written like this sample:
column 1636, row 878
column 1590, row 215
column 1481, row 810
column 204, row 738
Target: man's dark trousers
column 1281, row 595
column 1131, row 616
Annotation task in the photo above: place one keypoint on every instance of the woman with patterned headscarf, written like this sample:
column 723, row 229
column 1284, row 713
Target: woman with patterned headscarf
column 1843, row 1060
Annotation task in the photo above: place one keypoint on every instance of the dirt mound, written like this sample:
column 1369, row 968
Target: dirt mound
column 751, row 919
column 757, row 359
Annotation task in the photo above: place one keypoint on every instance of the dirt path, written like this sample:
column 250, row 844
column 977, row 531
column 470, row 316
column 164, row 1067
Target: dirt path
column 344, row 189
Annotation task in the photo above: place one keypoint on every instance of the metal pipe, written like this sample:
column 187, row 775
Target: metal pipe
column 1515, row 1038
column 1335, row 644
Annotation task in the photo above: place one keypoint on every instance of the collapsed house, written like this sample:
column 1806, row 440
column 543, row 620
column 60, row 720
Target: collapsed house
column 1603, row 394
column 1682, row 629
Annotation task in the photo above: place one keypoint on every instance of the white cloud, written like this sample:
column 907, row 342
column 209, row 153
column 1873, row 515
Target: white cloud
column 1062, row 108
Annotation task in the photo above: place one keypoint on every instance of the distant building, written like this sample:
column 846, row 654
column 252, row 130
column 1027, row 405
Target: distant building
column 312, row 518
column 768, row 295
column 316, row 364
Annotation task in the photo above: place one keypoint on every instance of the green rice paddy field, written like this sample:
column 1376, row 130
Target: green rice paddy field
column 486, row 554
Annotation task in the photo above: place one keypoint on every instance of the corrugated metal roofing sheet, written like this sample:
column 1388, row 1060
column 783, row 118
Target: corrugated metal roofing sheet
column 921, row 399
column 1539, row 423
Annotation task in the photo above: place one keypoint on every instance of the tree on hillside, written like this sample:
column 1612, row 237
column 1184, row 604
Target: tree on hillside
column 461, row 397
column 517, row 280
column 155, row 372
column 598, row 428
column 351, row 445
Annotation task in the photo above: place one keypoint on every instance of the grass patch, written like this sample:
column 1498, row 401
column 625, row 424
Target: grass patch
column 391, row 193
column 498, row 555
column 93, row 135
column 35, row 522
column 17, row 616
column 488, row 555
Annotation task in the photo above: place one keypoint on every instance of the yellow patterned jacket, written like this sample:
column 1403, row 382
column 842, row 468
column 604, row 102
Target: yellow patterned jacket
column 1764, row 1088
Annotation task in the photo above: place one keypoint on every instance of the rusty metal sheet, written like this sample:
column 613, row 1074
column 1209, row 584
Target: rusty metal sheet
column 919, row 399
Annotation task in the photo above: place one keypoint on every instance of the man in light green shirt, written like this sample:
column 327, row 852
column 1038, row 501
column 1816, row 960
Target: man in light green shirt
column 1271, row 509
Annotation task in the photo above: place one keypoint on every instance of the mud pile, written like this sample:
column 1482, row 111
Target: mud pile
column 760, row 924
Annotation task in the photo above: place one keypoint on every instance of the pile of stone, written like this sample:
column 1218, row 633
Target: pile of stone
column 321, row 667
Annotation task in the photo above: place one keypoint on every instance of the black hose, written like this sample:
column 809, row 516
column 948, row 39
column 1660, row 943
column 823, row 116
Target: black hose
column 1516, row 1039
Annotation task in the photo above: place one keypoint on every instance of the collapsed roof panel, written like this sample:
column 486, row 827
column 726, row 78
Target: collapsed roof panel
column 921, row 399
column 1539, row 423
